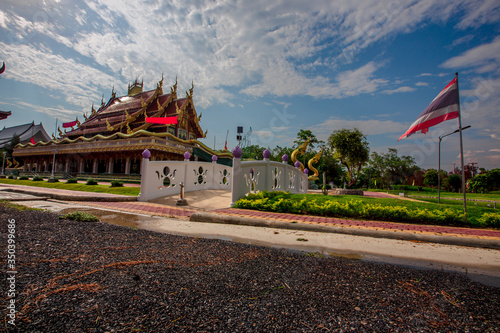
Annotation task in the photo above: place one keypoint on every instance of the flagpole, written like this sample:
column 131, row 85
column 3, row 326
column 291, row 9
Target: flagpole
column 461, row 150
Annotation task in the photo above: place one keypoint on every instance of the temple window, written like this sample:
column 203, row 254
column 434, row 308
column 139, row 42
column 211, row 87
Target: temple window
column 182, row 134
column 171, row 130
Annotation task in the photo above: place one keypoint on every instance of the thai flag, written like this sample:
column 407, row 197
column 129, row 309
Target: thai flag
column 444, row 107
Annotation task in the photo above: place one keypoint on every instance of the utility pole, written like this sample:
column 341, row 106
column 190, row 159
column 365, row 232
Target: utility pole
column 472, row 170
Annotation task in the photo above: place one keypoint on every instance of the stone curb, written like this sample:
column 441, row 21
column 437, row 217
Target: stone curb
column 72, row 197
column 399, row 235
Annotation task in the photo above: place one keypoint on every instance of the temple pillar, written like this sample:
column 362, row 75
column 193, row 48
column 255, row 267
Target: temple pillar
column 66, row 166
column 94, row 165
column 110, row 165
column 127, row 166
column 80, row 168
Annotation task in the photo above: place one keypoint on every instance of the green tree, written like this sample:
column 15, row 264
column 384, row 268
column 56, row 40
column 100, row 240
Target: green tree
column 455, row 182
column 253, row 152
column 393, row 169
column 302, row 137
column 431, row 178
column 351, row 149
column 479, row 183
column 278, row 152
column 9, row 147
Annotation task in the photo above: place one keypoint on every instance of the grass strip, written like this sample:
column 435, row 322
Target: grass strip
column 133, row 191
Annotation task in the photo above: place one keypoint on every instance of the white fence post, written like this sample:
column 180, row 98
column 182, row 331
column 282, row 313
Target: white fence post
column 237, row 182
column 146, row 154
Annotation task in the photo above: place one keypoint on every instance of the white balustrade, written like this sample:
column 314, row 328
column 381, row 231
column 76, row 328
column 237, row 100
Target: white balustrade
column 163, row 178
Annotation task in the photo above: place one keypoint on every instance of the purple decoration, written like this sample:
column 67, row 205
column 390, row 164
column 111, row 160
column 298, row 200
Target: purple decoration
column 146, row 154
column 297, row 164
column 284, row 158
column 187, row 155
column 214, row 158
column 266, row 154
column 306, row 171
column 237, row 152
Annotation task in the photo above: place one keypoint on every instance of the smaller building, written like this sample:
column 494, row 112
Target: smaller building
column 26, row 133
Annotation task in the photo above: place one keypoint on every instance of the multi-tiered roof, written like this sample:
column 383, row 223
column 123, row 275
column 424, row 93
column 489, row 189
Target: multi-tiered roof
column 127, row 114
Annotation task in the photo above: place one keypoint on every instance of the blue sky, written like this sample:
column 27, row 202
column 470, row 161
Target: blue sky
column 276, row 66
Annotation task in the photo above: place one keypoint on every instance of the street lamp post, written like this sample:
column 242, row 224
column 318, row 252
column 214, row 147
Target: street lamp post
column 3, row 165
column 439, row 160
column 52, row 179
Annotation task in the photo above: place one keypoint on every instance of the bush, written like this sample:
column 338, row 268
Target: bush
column 72, row 180
column 116, row 183
column 37, row 179
column 91, row 181
column 12, row 177
column 283, row 203
column 489, row 220
column 80, row 216
column 23, row 178
column 56, row 180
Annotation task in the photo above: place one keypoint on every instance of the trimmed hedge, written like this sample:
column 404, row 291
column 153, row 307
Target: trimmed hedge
column 282, row 202
column 116, row 183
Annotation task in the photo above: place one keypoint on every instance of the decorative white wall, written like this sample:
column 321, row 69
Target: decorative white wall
column 163, row 178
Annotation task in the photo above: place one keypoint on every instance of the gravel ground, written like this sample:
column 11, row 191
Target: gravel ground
column 95, row 277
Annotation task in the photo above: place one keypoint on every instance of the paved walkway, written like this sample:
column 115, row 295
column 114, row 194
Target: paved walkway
column 448, row 235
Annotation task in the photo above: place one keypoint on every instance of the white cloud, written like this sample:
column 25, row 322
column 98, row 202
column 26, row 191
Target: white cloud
column 421, row 84
column 77, row 82
column 367, row 127
column 478, row 56
column 253, row 47
column 399, row 90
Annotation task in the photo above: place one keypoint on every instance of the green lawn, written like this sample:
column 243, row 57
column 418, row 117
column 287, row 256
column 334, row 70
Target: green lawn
column 381, row 209
column 494, row 196
column 76, row 187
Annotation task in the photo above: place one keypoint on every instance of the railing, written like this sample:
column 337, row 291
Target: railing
column 255, row 176
column 163, row 178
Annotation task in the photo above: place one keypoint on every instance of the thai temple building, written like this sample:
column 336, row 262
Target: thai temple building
column 26, row 133
column 112, row 138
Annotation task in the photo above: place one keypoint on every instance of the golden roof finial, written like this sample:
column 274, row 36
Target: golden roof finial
column 60, row 132
column 110, row 128
column 93, row 112
column 129, row 131
column 173, row 90
column 77, row 122
column 85, row 116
